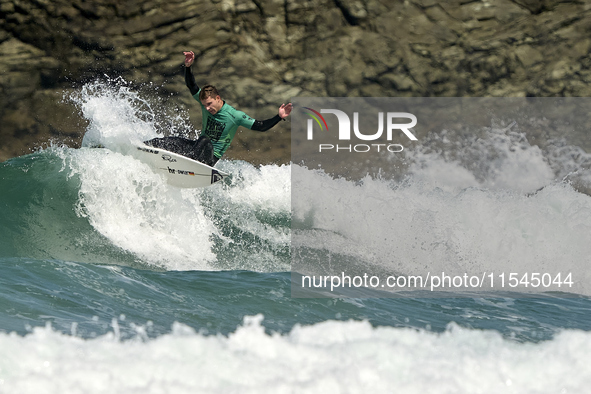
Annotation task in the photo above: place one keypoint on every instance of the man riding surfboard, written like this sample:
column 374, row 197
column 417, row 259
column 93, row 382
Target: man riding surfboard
column 220, row 121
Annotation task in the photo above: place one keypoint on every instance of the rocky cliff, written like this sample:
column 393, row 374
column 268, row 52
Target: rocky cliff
column 262, row 52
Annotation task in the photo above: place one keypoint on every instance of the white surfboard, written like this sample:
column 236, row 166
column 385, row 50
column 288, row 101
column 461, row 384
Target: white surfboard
column 178, row 170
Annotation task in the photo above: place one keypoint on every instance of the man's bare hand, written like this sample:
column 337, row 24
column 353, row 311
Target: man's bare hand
column 189, row 58
column 285, row 110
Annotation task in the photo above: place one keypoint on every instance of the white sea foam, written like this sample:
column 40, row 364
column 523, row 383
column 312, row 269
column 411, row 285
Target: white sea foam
column 335, row 357
column 493, row 158
column 117, row 115
column 267, row 188
column 126, row 202
column 137, row 211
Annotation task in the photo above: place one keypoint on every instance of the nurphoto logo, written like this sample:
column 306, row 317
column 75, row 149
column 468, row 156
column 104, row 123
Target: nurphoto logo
column 395, row 122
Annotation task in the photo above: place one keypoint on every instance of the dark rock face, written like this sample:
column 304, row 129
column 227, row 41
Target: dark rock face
column 260, row 53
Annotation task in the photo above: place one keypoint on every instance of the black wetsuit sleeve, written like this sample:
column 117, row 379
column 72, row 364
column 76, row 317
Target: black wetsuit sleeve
column 190, row 81
column 264, row 125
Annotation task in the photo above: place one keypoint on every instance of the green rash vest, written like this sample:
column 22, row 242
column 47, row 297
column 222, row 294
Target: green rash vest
column 221, row 127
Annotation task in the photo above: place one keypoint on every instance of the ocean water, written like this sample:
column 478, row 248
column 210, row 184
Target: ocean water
column 114, row 281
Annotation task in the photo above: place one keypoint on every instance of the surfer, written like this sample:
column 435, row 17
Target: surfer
column 220, row 123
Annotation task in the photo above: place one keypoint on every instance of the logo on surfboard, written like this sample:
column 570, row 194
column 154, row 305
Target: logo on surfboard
column 169, row 158
column 180, row 172
column 148, row 150
column 216, row 176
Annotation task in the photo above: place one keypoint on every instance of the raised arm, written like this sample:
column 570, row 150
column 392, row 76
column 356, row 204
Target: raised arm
column 264, row 125
column 189, row 78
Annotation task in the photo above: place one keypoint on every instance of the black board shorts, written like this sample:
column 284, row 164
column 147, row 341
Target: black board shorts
column 200, row 149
